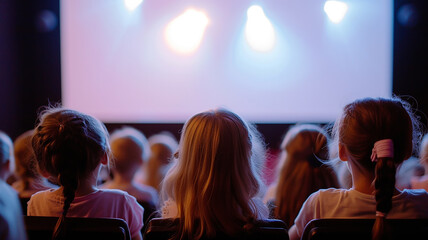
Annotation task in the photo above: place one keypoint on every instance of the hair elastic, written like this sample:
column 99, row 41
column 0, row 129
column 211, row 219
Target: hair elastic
column 380, row 214
column 382, row 148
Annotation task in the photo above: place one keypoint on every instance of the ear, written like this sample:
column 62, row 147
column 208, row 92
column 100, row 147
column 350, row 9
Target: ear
column 104, row 159
column 343, row 152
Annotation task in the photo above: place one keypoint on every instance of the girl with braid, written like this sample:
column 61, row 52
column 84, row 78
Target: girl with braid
column 72, row 146
column 374, row 136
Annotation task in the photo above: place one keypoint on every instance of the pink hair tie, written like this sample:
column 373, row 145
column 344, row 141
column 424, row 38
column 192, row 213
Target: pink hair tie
column 382, row 148
column 380, row 214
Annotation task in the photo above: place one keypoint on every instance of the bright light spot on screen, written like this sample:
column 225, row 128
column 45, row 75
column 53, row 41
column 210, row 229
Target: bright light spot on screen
column 335, row 10
column 184, row 33
column 131, row 5
column 259, row 31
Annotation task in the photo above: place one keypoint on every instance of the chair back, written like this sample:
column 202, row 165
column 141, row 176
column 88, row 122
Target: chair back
column 24, row 202
column 78, row 228
column 274, row 229
column 361, row 229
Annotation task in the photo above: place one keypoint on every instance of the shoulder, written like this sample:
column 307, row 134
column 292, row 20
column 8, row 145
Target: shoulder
column 169, row 209
column 415, row 193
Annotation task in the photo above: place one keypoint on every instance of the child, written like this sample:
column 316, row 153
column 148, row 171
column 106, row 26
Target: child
column 302, row 147
column 421, row 182
column 29, row 179
column 130, row 149
column 162, row 146
column 6, row 157
column 213, row 180
column 374, row 136
column 71, row 146
column 11, row 221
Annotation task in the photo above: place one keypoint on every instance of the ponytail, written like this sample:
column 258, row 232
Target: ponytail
column 382, row 156
column 69, row 184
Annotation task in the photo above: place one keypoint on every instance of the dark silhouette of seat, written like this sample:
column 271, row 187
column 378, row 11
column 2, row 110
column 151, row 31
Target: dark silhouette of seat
column 353, row 229
column 78, row 228
column 274, row 229
column 24, row 202
column 150, row 211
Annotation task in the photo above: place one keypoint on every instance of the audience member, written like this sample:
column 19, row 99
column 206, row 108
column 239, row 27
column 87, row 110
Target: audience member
column 162, row 145
column 71, row 146
column 212, row 186
column 6, row 157
column 29, row 180
column 407, row 171
column 11, row 217
column 130, row 150
column 302, row 148
column 421, row 181
column 374, row 136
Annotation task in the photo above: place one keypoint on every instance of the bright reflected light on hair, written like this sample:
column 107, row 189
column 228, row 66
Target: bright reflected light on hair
column 259, row 31
column 131, row 5
column 184, row 33
column 335, row 10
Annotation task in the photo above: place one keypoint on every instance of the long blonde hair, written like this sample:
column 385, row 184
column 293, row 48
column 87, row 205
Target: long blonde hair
column 213, row 180
column 302, row 148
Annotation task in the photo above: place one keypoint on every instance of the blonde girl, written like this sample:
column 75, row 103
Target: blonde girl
column 213, row 185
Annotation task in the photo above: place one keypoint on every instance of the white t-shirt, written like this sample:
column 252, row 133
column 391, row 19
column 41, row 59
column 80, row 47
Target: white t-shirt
column 99, row 204
column 11, row 217
column 139, row 191
column 349, row 203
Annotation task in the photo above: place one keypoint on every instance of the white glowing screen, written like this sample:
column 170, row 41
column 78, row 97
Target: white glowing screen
column 335, row 10
column 184, row 33
column 259, row 31
column 274, row 62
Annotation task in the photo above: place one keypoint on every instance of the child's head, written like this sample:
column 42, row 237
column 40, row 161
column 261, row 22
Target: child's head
column 302, row 148
column 162, row 145
column 365, row 122
column 25, row 161
column 423, row 152
column 213, row 179
column 69, row 145
column 130, row 149
column 6, row 155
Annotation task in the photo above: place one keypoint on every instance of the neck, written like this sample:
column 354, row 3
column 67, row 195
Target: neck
column 122, row 178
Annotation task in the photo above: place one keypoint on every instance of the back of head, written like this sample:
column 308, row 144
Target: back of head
column 423, row 152
column 69, row 145
column 213, row 179
column 303, row 147
column 130, row 148
column 5, row 151
column 25, row 161
column 367, row 121
column 162, row 145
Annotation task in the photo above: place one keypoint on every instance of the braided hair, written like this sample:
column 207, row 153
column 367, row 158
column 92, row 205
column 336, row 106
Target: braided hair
column 68, row 145
column 363, row 123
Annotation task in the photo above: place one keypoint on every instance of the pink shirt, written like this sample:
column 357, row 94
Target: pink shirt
column 99, row 204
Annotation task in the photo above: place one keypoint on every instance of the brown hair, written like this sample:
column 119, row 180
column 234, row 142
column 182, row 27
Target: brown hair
column 26, row 166
column 367, row 121
column 69, row 145
column 213, row 180
column 302, row 148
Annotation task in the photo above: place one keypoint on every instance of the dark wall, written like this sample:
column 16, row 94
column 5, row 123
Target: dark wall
column 30, row 61
column 30, row 64
column 410, row 67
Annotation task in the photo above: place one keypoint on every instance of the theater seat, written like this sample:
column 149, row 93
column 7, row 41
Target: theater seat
column 350, row 229
column 164, row 229
column 78, row 228
column 24, row 202
column 150, row 212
